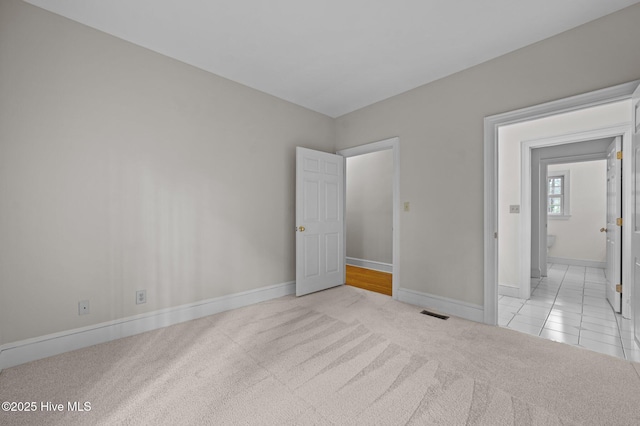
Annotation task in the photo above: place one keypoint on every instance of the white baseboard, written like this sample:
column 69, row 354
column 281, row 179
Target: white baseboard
column 370, row 264
column 442, row 304
column 23, row 351
column 576, row 262
column 504, row 290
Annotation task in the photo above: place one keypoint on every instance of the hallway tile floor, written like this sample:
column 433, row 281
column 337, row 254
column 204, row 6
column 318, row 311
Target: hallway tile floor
column 570, row 306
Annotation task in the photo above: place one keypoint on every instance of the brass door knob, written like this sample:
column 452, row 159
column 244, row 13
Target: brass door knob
column 603, row 229
column 301, row 228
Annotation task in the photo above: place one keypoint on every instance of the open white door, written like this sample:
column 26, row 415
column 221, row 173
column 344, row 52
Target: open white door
column 635, row 236
column 320, row 253
column 614, row 215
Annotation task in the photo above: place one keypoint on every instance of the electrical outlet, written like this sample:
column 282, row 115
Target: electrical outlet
column 83, row 307
column 514, row 209
column 141, row 297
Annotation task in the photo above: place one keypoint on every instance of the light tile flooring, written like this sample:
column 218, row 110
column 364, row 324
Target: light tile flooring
column 570, row 306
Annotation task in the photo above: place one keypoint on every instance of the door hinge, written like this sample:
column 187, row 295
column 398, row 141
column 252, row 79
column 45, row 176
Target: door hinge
column 618, row 288
column 619, row 155
column 495, row 235
column 619, row 221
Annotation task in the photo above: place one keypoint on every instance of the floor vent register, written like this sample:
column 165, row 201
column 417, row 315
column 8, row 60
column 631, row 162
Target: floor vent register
column 433, row 314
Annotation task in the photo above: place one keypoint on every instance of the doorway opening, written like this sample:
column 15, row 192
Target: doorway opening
column 492, row 126
column 372, row 216
column 564, row 299
column 575, row 212
column 369, row 218
column 522, row 241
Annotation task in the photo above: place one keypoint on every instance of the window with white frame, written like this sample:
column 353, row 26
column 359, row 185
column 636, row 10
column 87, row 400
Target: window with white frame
column 558, row 194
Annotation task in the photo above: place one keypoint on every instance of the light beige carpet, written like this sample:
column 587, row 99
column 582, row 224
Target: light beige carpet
column 343, row 356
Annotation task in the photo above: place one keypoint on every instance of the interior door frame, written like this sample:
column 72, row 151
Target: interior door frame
column 394, row 145
column 491, row 126
column 635, row 244
column 623, row 130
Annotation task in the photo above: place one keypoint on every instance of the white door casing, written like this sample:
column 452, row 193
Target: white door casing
column 614, row 213
column 635, row 219
column 320, row 255
column 491, row 126
column 532, row 161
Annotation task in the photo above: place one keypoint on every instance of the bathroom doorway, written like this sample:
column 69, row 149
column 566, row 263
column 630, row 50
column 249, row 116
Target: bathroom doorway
column 575, row 211
column 521, row 148
column 566, row 294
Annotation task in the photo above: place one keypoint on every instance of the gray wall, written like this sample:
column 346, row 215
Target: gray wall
column 122, row 169
column 369, row 206
column 440, row 126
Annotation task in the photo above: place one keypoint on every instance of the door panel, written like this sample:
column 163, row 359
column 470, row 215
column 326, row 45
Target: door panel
column 320, row 253
column 311, row 256
column 311, row 200
column 332, row 244
column 614, row 234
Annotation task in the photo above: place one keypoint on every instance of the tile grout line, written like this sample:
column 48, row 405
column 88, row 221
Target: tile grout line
column 554, row 301
column 525, row 302
column 617, row 324
column 624, row 350
column 582, row 309
column 563, row 286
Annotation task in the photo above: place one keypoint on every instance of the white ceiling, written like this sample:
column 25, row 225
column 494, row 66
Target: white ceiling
column 333, row 56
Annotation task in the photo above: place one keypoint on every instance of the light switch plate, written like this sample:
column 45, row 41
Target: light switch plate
column 83, row 307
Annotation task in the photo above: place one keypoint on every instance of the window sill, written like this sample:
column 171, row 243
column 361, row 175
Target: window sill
column 559, row 216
